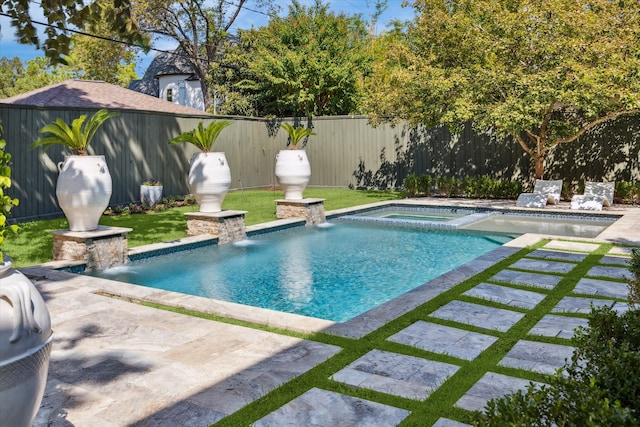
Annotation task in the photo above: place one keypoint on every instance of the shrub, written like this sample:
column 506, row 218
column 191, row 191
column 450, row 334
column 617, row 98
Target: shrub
column 601, row 386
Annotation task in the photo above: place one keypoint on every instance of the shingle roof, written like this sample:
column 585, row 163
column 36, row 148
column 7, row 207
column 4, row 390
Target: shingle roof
column 163, row 64
column 96, row 94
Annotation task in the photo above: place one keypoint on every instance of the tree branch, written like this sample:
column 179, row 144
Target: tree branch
column 593, row 124
column 523, row 144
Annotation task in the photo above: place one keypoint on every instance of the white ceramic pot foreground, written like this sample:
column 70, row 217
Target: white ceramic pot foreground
column 83, row 190
column 293, row 172
column 25, row 347
column 209, row 180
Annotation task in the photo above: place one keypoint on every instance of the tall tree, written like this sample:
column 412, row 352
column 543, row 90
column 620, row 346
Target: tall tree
column 34, row 74
column 543, row 73
column 311, row 62
column 199, row 26
column 70, row 14
column 100, row 58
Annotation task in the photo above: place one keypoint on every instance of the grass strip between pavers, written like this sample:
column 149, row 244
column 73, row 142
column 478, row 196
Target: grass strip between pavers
column 441, row 402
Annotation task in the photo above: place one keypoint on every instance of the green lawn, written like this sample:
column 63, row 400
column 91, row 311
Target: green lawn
column 34, row 243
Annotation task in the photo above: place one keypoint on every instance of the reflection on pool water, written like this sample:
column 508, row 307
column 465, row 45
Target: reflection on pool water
column 334, row 272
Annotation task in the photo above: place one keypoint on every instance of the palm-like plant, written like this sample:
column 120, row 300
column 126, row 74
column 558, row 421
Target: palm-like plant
column 296, row 134
column 202, row 137
column 76, row 137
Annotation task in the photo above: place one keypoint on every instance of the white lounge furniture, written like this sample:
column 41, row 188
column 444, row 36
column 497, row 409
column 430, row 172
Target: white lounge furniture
column 596, row 195
column 544, row 191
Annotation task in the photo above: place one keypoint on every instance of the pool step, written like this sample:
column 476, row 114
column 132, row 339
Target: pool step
column 453, row 224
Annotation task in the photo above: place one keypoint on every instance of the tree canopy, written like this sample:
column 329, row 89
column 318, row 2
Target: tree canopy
column 543, row 73
column 311, row 62
column 199, row 26
column 61, row 16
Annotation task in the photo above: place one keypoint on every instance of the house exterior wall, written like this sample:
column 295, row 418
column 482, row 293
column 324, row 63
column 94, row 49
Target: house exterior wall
column 346, row 152
column 184, row 92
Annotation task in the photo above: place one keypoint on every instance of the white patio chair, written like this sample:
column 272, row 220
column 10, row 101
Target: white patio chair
column 544, row 192
column 596, row 195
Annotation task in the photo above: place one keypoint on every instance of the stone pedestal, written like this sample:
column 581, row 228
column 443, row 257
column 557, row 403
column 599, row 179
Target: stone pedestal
column 227, row 225
column 103, row 248
column 312, row 210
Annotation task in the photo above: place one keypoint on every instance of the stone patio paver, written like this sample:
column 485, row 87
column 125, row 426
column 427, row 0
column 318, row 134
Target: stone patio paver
column 616, row 260
column 504, row 295
column 490, row 386
column 537, row 356
column 537, row 280
column 478, row 315
column 444, row 340
column 543, row 265
column 583, row 305
column 396, row 374
column 559, row 255
column 602, row 287
column 610, row 272
column 321, row 408
column 552, row 325
column 620, row 250
column 572, row 246
column 445, row 422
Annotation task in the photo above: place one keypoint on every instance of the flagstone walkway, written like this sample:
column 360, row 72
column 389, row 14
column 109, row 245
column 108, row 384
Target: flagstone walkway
column 116, row 362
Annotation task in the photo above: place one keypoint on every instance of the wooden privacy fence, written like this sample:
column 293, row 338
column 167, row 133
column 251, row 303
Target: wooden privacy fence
column 346, row 152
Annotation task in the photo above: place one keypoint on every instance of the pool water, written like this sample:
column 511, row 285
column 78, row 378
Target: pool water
column 573, row 227
column 335, row 272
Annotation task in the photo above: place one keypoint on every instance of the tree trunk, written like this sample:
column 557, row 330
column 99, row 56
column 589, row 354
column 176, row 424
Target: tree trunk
column 539, row 165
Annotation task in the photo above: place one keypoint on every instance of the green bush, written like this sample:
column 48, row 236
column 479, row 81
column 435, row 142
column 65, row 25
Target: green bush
column 601, row 386
column 481, row 187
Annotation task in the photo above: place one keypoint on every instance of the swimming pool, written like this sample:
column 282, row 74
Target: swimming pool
column 332, row 272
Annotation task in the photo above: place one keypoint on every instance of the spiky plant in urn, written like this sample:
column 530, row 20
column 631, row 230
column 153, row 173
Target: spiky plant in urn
column 292, row 165
column 209, row 173
column 84, row 183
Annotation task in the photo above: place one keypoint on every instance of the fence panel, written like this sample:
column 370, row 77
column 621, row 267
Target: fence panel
column 346, row 152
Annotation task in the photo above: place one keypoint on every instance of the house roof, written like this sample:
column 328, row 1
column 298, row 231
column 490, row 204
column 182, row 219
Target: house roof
column 163, row 64
column 96, row 94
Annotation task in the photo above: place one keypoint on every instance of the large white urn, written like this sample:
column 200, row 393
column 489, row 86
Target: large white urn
column 209, row 180
column 25, row 347
column 293, row 172
column 83, row 190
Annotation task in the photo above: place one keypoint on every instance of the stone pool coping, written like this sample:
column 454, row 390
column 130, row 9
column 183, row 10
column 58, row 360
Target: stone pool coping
column 626, row 229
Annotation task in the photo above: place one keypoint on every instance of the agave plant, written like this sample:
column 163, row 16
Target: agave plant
column 202, row 137
column 76, row 137
column 296, row 134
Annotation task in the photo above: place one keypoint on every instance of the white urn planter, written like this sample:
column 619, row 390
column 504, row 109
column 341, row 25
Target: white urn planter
column 293, row 172
column 150, row 195
column 83, row 190
column 25, row 347
column 209, row 180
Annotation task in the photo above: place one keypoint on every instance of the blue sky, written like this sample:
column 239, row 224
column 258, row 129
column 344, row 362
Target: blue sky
column 247, row 19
